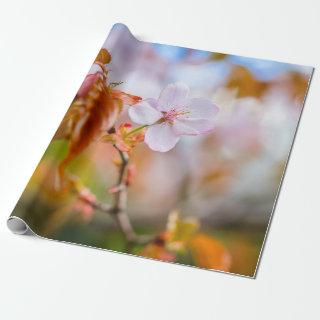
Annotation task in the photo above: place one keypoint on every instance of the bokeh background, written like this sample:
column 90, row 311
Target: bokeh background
column 228, row 180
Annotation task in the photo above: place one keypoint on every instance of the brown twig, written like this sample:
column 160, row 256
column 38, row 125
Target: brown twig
column 119, row 208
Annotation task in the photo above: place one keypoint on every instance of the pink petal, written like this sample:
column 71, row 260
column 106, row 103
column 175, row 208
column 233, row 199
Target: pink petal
column 144, row 112
column 87, row 84
column 173, row 95
column 95, row 68
column 192, row 126
column 161, row 137
column 201, row 108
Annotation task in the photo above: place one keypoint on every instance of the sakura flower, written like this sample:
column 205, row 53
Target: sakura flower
column 172, row 115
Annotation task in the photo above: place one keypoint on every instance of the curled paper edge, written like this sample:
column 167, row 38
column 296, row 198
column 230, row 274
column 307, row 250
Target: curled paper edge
column 18, row 226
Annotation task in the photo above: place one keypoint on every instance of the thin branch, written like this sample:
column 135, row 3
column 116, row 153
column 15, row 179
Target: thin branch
column 119, row 208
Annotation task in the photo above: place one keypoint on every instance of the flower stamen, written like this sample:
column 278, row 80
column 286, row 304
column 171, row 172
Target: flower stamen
column 173, row 114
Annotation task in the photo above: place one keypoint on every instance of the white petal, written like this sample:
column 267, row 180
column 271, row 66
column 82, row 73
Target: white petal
column 173, row 95
column 192, row 126
column 201, row 108
column 144, row 112
column 161, row 137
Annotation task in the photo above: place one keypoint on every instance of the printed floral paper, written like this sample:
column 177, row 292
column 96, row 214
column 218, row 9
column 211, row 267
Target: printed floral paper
column 169, row 153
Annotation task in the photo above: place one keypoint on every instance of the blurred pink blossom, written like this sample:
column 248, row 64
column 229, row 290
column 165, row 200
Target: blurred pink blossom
column 94, row 73
column 83, row 203
column 173, row 115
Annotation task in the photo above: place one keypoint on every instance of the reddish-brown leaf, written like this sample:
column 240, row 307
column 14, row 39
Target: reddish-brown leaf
column 84, row 121
column 125, row 98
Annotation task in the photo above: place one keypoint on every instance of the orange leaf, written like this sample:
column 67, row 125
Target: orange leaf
column 103, row 56
column 245, row 83
column 157, row 251
column 209, row 253
column 125, row 98
column 218, row 56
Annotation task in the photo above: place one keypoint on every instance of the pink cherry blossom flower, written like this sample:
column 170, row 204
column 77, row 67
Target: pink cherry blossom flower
column 173, row 115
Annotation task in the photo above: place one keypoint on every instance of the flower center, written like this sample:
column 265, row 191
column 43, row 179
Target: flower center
column 173, row 114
